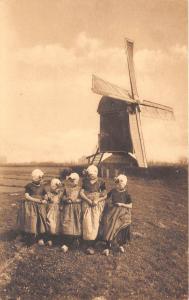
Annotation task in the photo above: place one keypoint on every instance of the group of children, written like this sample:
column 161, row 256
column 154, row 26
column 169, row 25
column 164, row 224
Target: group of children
column 76, row 212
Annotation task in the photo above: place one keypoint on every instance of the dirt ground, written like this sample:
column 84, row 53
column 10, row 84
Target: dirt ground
column 154, row 265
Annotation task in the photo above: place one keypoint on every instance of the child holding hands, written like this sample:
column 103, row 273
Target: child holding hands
column 32, row 212
column 93, row 194
column 117, row 216
column 71, row 212
column 53, row 197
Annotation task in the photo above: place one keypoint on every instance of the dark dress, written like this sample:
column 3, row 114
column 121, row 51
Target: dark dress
column 31, row 215
column 117, row 219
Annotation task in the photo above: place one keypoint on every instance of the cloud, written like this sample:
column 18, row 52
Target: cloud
column 89, row 44
column 49, row 55
column 90, row 55
column 163, row 140
column 150, row 61
column 87, row 56
column 180, row 51
column 158, row 71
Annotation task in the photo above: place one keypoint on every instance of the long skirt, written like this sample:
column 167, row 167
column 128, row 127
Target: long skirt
column 91, row 220
column 70, row 219
column 32, row 217
column 53, row 218
column 114, row 223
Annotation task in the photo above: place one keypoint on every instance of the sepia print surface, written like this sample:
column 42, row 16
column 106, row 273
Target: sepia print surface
column 104, row 83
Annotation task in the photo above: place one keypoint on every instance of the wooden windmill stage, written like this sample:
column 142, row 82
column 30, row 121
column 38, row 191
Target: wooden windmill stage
column 120, row 117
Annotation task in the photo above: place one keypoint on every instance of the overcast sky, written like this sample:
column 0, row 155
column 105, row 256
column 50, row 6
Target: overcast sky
column 49, row 50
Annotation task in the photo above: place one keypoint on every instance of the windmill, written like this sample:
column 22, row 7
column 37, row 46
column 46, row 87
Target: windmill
column 120, row 116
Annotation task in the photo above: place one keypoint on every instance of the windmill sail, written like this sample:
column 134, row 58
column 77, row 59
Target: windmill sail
column 112, row 139
column 155, row 110
column 134, row 118
column 105, row 88
column 129, row 50
column 137, row 139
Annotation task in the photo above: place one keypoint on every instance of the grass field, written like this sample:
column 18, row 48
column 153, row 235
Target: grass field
column 154, row 265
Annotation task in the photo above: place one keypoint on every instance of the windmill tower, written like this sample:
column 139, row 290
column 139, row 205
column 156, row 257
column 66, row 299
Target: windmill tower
column 120, row 116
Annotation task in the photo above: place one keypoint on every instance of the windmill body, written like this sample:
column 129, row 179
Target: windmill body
column 114, row 126
column 120, row 116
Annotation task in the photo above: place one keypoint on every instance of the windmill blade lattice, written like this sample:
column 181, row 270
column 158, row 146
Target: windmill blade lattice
column 105, row 88
column 129, row 51
column 156, row 111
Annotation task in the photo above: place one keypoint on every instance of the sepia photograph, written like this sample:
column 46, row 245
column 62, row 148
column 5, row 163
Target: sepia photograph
column 94, row 149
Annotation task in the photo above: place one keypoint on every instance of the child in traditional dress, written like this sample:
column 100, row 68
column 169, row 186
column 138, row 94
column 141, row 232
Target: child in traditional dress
column 53, row 197
column 93, row 194
column 32, row 212
column 117, row 216
column 71, row 213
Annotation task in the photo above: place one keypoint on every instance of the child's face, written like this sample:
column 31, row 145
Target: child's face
column 55, row 187
column 38, row 180
column 73, row 182
column 92, row 176
column 120, row 184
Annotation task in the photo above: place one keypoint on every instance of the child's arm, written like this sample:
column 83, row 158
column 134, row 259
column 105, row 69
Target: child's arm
column 30, row 198
column 102, row 198
column 68, row 200
column 108, row 202
column 64, row 198
column 46, row 197
column 103, row 194
column 85, row 198
column 78, row 201
column 124, row 205
column 128, row 202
